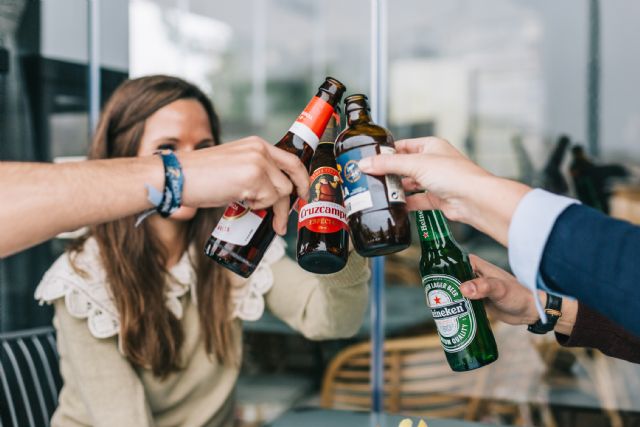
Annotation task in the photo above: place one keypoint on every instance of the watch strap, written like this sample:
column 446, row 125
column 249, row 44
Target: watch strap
column 553, row 309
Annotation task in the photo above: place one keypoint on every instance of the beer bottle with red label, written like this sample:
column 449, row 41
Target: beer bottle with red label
column 323, row 237
column 375, row 205
column 243, row 235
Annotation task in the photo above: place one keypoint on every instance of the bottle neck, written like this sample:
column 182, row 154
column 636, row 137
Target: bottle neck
column 325, row 146
column 433, row 229
column 360, row 115
column 311, row 123
column 330, row 132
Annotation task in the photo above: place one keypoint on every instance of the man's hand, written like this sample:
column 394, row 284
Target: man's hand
column 508, row 301
column 429, row 164
column 462, row 190
column 249, row 169
column 505, row 298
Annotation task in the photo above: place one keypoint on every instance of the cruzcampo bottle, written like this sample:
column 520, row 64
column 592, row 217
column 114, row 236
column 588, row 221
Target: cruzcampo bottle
column 323, row 232
column 465, row 333
column 243, row 235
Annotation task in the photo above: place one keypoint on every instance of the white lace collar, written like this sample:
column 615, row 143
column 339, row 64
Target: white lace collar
column 87, row 295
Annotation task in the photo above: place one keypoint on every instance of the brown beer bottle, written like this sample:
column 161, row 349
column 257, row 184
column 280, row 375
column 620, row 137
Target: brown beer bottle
column 375, row 205
column 243, row 235
column 323, row 237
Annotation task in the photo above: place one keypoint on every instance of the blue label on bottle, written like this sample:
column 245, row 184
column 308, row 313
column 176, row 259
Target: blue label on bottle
column 356, row 193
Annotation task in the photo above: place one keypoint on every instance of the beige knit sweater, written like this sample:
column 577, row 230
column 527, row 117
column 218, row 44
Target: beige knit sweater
column 101, row 388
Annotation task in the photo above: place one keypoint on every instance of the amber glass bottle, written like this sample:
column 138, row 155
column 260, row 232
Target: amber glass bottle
column 375, row 205
column 242, row 236
column 323, row 236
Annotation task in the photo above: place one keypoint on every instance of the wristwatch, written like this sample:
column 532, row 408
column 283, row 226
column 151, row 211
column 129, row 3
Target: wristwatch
column 552, row 308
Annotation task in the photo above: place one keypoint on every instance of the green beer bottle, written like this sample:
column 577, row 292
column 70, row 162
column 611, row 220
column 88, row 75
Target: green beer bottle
column 462, row 324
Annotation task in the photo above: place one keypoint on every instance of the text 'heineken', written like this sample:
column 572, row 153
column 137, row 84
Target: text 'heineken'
column 376, row 205
column 462, row 324
column 243, row 235
column 323, row 236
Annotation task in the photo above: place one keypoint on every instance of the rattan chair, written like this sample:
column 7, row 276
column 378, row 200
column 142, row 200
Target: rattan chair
column 418, row 380
column 29, row 377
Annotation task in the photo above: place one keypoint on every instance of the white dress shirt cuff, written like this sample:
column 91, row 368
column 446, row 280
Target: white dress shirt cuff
column 529, row 231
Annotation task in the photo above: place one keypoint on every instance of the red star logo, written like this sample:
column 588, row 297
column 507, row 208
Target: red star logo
column 436, row 300
column 425, row 235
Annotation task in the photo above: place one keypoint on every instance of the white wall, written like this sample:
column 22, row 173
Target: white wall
column 565, row 66
column 64, row 31
column 620, row 103
column 564, row 59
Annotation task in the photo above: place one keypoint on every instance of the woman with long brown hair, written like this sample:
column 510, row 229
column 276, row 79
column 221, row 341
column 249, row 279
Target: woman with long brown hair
column 149, row 329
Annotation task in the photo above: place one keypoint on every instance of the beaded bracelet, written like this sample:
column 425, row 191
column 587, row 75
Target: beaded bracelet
column 170, row 199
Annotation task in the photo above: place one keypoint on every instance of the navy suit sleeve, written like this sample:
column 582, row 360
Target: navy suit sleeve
column 596, row 259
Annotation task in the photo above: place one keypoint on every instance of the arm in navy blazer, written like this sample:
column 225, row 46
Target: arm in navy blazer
column 594, row 258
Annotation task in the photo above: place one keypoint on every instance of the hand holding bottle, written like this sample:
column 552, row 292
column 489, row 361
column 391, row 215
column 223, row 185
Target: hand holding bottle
column 508, row 301
column 243, row 234
column 461, row 189
column 465, row 332
column 249, row 169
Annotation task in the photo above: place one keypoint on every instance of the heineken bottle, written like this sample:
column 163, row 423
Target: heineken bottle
column 462, row 324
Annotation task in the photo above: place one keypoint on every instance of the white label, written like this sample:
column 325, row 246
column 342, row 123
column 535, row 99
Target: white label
column 358, row 202
column 304, row 132
column 395, row 192
column 238, row 224
column 322, row 210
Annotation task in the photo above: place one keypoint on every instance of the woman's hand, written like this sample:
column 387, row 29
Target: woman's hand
column 505, row 299
column 461, row 189
column 96, row 191
column 249, row 169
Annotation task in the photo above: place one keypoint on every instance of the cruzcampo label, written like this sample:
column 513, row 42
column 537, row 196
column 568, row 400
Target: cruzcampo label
column 452, row 312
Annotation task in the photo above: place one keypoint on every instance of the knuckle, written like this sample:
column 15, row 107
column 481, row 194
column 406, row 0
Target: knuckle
column 249, row 194
column 256, row 144
column 292, row 160
column 498, row 289
column 254, row 158
column 288, row 187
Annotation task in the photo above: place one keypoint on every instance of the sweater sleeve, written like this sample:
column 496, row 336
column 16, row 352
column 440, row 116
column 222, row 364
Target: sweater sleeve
column 596, row 331
column 102, row 388
column 320, row 306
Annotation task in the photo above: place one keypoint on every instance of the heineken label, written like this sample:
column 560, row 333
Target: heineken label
column 452, row 312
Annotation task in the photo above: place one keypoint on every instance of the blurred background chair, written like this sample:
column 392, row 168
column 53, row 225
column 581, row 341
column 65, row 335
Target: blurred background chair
column 553, row 179
column 418, row 380
column 29, row 377
column 592, row 182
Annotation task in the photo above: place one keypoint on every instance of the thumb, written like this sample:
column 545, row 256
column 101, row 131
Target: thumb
column 491, row 288
column 399, row 164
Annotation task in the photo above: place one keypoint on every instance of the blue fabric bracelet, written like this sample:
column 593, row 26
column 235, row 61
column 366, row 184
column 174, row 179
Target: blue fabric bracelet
column 170, row 199
column 173, row 183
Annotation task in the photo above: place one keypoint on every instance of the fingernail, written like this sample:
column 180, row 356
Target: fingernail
column 469, row 288
column 365, row 164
